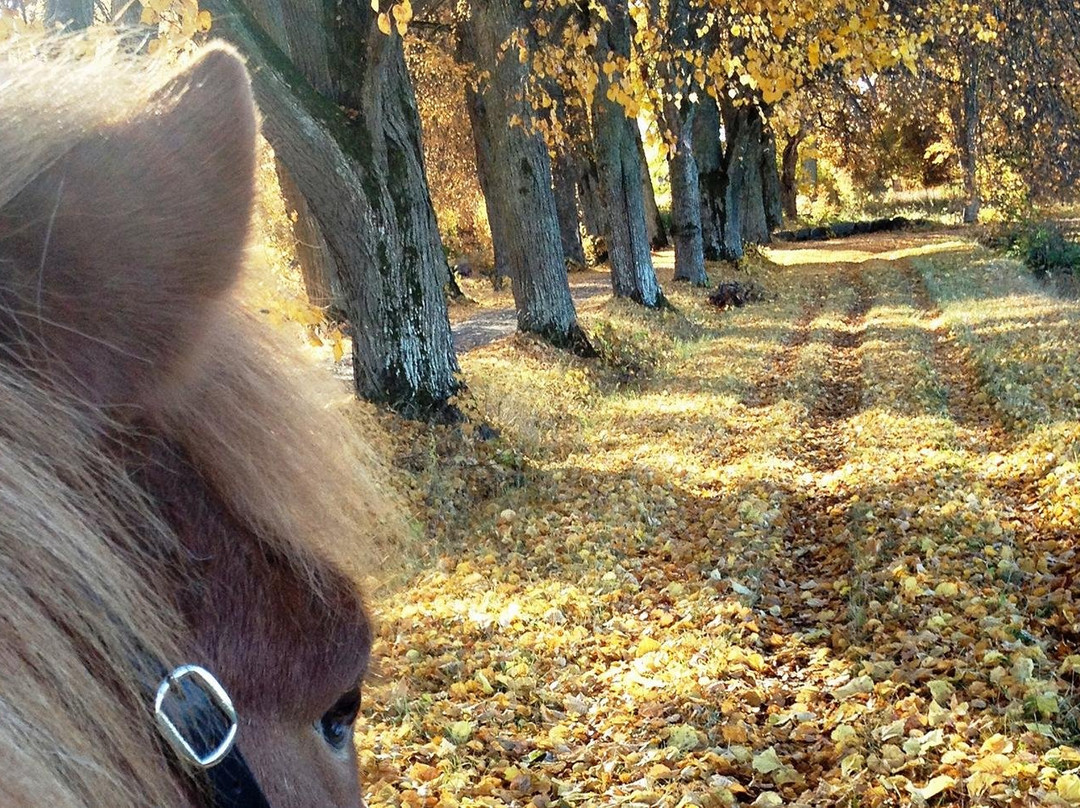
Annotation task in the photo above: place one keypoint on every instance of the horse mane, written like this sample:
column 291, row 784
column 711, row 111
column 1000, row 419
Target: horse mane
column 81, row 546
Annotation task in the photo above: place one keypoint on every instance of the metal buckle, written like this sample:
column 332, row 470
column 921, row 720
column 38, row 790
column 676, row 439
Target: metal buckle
column 218, row 699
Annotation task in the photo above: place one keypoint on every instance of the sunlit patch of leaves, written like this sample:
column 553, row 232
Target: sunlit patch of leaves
column 712, row 588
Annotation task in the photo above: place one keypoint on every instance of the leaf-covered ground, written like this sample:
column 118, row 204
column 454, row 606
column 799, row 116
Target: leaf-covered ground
column 817, row 551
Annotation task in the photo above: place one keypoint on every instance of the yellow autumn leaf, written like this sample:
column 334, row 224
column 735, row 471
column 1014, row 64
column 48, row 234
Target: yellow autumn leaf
column 767, row 761
column 204, row 20
column 384, row 23
column 1068, row 788
column 934, row 787
column 403, row 12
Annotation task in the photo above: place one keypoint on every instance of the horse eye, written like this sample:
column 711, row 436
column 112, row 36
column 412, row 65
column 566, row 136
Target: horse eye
column 335, row 726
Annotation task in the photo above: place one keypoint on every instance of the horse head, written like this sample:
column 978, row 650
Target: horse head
column 168, row 494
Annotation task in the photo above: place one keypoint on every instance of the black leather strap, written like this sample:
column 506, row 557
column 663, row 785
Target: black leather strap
column 229, row 783
column 232, row 785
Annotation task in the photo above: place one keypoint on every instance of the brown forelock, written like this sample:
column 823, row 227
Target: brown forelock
column 80, row 608
column 266, row 431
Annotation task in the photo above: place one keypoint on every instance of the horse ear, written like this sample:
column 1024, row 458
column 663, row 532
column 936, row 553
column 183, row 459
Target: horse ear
column 119, row 252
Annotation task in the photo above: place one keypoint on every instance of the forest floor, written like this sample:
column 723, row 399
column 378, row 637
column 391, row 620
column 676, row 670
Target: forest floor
column 820, row 550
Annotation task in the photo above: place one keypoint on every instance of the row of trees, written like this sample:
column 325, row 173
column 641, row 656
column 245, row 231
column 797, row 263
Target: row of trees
column 556, row 90
column 993, row 100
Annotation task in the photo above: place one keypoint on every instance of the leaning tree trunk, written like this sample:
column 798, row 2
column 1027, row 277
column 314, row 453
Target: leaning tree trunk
column 321, row 282
column 521, row 182
column 654, row 223
column 712, row 182
column 363, row 180
column 789, row 172
column 619, row 168
column 298, row 29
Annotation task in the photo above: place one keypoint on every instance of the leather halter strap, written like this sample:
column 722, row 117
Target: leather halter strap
column 196, row 718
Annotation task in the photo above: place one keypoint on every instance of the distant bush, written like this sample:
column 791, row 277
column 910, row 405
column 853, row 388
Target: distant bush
column 1043, row 247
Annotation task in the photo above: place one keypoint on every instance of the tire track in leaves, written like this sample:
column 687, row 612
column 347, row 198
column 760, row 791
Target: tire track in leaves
column 800, row 599
column 968, row 403
column 970, row 407
column 769, row 386
column 817, row 537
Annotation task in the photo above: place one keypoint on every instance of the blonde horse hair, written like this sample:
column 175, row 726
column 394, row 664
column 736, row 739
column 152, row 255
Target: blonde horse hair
column 85, row 554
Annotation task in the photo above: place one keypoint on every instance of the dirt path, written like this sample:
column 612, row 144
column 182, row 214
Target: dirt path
column 489, row 324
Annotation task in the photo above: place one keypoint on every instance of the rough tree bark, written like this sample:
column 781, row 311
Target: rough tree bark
column 363, row 180
column 745, row 200
column 619, row 169
column 685, row 193
column 564, row 179
column 520, row 180
column 298, row 30
column 685, row 200
column 789, row 172
column 746, row 175
column 770, row 182
column 712, row 181
column 497, row 215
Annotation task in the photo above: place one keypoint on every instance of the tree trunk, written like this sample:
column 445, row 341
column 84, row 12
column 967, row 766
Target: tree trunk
column 678, row 118
column 755, row 226
column 71, row 14
column 520, row 181
column 363, row 180
column 789, row 183
column 744, row 199
column 654, row 224
column 685, row 198
column 312, row 252
column 497, row 216
column 770, row 182
column 709, row 158
column 619, row 168
column 564, row 177
column 969, row 134
column 593, row 215
column 297, row 28
column 735, row 156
